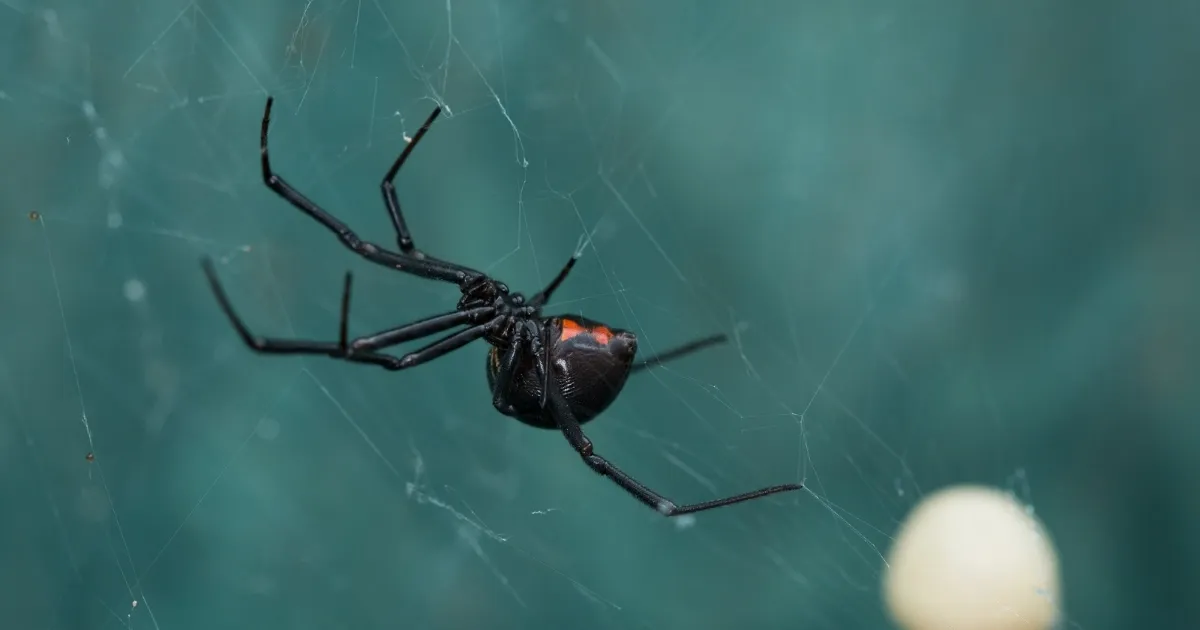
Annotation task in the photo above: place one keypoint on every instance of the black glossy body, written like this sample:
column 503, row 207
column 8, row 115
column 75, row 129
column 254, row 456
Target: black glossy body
column 590, row 364
column 549, row 372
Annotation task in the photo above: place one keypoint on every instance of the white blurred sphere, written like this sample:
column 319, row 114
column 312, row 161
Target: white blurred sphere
column 972, row 558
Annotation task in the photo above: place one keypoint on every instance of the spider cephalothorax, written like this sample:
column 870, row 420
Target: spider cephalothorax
column 483, row 291
column 553, row 372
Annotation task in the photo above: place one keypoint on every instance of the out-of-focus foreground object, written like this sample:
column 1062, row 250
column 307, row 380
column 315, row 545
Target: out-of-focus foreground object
column 972, row 558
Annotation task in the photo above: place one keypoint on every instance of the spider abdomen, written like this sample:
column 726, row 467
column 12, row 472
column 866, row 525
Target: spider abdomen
column 590, row 364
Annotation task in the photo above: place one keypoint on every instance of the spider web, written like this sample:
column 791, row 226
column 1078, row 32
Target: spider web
column 731, row 168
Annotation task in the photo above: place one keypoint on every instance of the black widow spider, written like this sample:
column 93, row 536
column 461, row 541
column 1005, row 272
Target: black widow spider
column 553, row 372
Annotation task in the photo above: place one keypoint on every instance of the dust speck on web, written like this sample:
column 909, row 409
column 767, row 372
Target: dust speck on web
column 94, row 503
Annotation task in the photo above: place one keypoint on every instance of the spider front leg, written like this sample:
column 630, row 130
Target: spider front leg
column 392, row 201
column 388, row 188
column 416, row 265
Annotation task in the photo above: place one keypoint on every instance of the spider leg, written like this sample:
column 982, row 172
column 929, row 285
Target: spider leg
column 426, row 268
column 540, row 298
column 601, row 466
column 422, row 328
column 448, row 344
column 547, row 367
column 388, row 188
column 504, row 377
column 560, row 411
column 681, row 351
column 363, row 349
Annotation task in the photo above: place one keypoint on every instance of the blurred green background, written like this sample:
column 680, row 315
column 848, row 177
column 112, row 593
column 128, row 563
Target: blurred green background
column 953, row 242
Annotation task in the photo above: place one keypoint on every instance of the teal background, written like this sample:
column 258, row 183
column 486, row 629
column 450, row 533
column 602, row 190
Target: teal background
column 955, row 242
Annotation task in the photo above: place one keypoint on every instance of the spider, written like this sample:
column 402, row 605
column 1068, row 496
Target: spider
column 550, row 372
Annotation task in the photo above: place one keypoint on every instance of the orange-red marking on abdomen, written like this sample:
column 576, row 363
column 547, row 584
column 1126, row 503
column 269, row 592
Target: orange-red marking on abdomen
column 571, row 328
